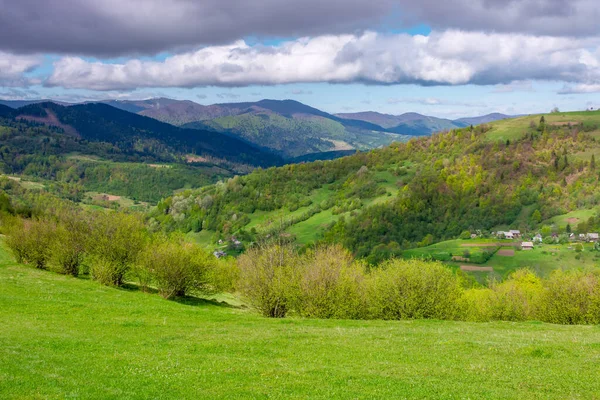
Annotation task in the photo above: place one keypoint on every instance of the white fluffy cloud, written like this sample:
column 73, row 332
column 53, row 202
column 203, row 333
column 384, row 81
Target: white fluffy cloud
column 442, row 58
column 12, row 68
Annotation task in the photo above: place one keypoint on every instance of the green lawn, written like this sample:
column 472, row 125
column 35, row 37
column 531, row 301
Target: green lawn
column 63, row 337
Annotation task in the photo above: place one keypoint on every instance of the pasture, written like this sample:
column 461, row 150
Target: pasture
column 65, row 337
column 508, row 256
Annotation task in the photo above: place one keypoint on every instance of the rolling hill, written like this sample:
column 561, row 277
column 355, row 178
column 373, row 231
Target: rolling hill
column 86, row 148
column 288, row 127
column 417, row 124
column 410, row 195
column 131, row 132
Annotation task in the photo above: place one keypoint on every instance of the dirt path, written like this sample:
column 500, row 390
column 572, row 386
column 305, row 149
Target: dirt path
column 472, row 268
column 506, row 253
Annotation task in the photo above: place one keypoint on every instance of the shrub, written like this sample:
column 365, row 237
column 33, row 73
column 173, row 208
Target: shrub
column 69, row 243
column 413, row 290
column 331, row 285
column 518, row 298
column 176, row 267
column 115, row 242
column 476, row 304
column 571, row 298
column 224, row 275
column 29, row 241
column 269, row 278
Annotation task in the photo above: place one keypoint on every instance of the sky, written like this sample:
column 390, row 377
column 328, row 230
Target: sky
column 450, row 58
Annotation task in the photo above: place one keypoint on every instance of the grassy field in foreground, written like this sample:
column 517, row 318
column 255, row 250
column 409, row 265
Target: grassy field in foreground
column 63, row 337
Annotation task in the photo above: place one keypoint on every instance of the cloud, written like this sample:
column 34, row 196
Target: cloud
column 442, row 58
column 537, row 17
column 580, row 89
column 201, row 96
column 13, row 67
column 19, row 94
column 123, row 27
column 300, row 92
column 230, row 96
column 514, row 87
column 432, row 101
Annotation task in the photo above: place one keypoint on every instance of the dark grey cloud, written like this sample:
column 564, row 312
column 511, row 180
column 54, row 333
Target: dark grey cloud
column 123, row 27
column 538, row 17
column 134, row 27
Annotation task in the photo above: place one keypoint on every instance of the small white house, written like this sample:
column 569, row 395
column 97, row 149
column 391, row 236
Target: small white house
column 516, row 233
column 593, row 237
column 527, row 245
column 538, row 238
column 509, row 235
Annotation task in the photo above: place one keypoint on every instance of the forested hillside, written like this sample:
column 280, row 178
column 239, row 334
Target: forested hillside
column 508, row 173
column 95, row 147
column 289, row 128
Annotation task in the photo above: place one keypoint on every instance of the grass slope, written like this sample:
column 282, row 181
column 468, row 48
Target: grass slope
column 543, row 259
column 63, row 337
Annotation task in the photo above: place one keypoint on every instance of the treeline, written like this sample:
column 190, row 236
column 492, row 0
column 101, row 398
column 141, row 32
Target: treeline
column 113, row 248
column 328, row 283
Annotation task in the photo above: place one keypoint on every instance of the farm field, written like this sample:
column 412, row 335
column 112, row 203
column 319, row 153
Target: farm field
column 543, row 259
column 65, row 337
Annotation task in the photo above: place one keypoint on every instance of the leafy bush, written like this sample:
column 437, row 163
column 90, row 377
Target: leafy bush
column 69, row 243
column 331, row 285
column 572, row 298
column 30, row 240
column 269, row 278
column 413, row 290
column 177, row 268
column 476, row 304
column 115, row 242
column 518, row 298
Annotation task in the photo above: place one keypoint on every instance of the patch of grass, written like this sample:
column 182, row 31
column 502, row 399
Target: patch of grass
column 63, row 337
column 579, row 215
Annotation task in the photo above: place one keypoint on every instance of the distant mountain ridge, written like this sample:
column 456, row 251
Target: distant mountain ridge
column 133, row 133
column 289, row 128
column 417, row 124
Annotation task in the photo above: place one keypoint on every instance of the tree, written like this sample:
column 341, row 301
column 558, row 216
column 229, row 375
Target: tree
column 569, row 229
column 593, row 163
column 536, row 217
column 465, row 235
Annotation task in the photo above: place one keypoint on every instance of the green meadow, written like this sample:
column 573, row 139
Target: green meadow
column 543, row 259
column 64, row 337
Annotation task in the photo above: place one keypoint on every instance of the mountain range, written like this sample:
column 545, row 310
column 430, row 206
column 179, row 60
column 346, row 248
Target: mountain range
column 133, row 134
column 288, row 128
